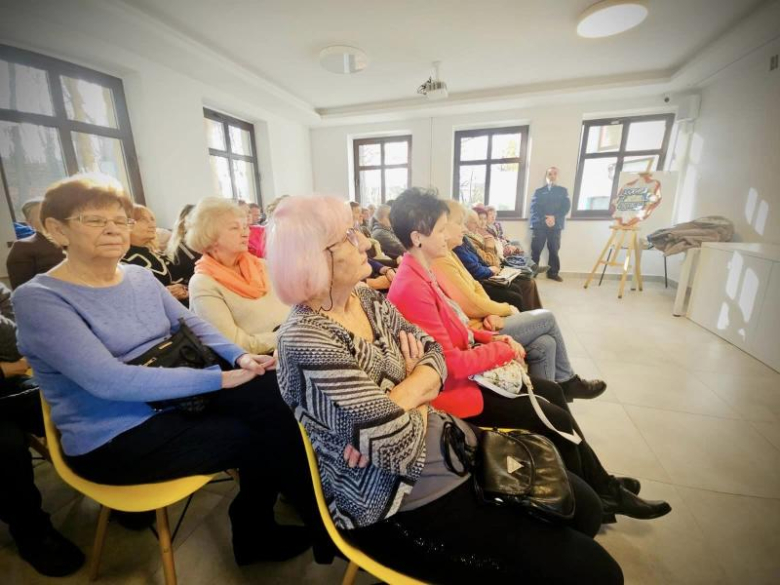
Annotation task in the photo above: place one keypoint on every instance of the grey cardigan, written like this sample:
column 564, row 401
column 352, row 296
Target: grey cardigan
column 337, row 386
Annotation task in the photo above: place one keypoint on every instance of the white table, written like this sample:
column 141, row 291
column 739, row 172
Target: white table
column 736, row 295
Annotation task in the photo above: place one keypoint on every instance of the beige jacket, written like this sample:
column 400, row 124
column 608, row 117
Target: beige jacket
column 249, row 323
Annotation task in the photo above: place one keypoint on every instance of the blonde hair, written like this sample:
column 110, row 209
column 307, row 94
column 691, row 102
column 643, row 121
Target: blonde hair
column 202, row 224
column 456, row 209
column 269, row 209
column 178, row 231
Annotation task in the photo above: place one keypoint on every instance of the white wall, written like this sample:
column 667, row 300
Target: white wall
column 554, row 140
column 165, row 102
column 734, row 161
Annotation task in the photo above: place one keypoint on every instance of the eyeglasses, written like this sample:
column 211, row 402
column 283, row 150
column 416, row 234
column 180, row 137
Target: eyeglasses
column 98, row 221
column 351, row 236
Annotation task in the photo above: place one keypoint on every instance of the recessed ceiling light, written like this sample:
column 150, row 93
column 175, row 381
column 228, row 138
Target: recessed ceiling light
column 343, row 60
column 611, row 17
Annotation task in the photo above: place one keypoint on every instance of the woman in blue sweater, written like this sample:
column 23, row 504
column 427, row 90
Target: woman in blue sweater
column 81, row 322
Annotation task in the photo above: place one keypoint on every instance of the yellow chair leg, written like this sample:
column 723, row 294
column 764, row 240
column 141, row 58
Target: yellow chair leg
column 100, row 539
column 350, row 574
column 166, row 547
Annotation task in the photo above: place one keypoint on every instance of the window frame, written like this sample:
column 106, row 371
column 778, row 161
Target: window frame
column 521, row 160
column 620, row 154
column 55, row 68
column 381, row 141
column 226, row 121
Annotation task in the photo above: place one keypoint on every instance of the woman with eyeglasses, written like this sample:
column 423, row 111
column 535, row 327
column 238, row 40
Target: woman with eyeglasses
column 230, row 288
column 361, row 379
column 143, row 252
column 82, row 322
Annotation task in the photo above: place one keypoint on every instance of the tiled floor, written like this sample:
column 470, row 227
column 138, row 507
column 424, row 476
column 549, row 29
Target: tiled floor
column 695, row 419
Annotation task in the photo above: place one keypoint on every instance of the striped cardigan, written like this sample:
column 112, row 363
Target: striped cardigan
column 336, row 384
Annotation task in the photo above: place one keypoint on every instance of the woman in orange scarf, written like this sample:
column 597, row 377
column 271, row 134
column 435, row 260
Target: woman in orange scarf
column 230, row 288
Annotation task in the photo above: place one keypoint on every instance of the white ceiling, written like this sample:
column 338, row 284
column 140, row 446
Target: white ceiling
column 484, row 46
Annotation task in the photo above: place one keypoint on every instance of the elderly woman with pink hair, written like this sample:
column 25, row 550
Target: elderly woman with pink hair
column 361, row 379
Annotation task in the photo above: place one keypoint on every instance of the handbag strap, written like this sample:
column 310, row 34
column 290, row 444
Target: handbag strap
column 573, row 436
column 453, row 439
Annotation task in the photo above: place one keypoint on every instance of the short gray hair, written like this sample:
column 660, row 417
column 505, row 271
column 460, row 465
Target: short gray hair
column 382, row 212
column 29, row 206
column 203, row 222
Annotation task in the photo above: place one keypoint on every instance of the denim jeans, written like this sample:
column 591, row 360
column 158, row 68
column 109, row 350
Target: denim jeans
column 538, row 332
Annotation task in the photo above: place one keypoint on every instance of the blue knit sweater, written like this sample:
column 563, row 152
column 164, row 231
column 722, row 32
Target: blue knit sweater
column 77, row 339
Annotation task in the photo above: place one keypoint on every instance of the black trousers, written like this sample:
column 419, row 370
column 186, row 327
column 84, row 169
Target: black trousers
column 521, row 293
column 457, row 539
column 20, row 500
column 551, row 237
column 519, row 413
column 248, row 427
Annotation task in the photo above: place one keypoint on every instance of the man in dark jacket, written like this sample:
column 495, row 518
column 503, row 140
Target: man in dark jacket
column 549, row 207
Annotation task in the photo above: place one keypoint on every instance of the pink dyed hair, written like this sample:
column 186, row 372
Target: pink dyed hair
column 297, row 236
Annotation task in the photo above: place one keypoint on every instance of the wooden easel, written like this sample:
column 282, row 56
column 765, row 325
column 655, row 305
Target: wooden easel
column 609, row 255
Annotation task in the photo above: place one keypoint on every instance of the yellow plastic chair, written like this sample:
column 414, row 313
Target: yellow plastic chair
column 125, row 498
column 357, row 558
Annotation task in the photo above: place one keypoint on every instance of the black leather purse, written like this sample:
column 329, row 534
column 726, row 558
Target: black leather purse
column 517, row 468
column 182, row 350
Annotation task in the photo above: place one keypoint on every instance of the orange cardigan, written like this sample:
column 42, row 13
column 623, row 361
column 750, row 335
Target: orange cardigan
column 418, row 297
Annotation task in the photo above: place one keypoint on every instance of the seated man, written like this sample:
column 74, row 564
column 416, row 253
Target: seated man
column 34, row 253
column 383, row 233
column 39, row 544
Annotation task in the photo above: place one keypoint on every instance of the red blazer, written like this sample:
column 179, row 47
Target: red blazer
column 416, row 294
column 257, row 240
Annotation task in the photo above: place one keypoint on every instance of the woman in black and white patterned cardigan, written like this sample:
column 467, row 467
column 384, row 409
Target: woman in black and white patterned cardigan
column 360, row 377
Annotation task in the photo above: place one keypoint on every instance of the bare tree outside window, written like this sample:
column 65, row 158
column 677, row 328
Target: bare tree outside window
column 58, row 119
column 489, row 168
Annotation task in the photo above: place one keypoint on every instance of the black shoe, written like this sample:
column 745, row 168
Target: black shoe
column 276, row 543
column 582, row 389
column 51, row 554
column 554, row 277
column 630, row 484
column 134, row 520
column 539, row 269
column 623, row 502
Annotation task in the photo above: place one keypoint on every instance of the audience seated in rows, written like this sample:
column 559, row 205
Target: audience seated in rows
column 181, row 256
column 420, row 221
column 82, row 322
column 48, row 551
column 143, row 252
column 366, row 384
column 230, row 288
column 521, row 293
column 33, row 254
column 537, row 330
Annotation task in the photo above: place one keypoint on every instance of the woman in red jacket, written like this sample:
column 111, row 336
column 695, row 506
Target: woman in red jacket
column 419, row 220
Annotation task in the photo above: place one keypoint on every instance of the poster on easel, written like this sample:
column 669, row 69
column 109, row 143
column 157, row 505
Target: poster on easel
column 642, row 195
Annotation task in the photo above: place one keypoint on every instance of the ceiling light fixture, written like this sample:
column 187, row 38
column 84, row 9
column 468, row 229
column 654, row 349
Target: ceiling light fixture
column 611, row 17
column 343, row 60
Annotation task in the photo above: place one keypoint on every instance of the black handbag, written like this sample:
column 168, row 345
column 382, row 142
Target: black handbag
column 517, row 468
column 182, row 350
